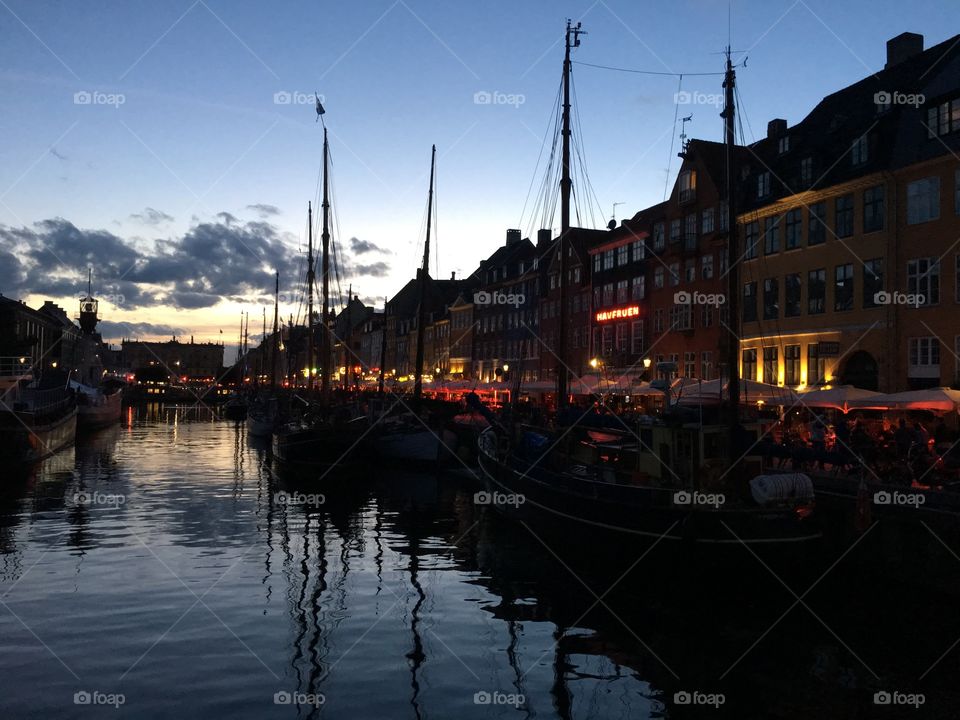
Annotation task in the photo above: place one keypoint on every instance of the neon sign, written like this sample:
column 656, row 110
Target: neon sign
column 618, row 313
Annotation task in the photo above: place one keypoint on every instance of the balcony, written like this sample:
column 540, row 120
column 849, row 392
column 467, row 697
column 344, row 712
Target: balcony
column 688, row 195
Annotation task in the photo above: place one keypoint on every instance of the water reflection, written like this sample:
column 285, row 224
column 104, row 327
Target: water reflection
column 200, row 581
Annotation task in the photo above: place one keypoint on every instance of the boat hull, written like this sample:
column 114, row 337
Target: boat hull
column 258, row 426
column 26, row 442
column 420, row 446
column 92, row 417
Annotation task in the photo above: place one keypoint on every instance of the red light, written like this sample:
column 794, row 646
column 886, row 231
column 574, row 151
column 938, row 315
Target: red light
column 618, row 313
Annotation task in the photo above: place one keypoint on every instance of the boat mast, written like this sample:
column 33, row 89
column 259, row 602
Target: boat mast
column 311, row 281
column 276, row 334
column 422, row 310
column 246, row 344
column 572, row 40
column 263, row 339
column 733, row 259
column 325, row 242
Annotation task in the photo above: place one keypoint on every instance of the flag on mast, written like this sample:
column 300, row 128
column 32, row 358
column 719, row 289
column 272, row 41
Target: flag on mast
column 320, row 110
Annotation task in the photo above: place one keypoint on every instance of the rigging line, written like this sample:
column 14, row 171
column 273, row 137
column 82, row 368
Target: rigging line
column 741, row 116
column 673, row 135
column 644, row 72
column 582, row 155
column 543, row 144
column 436, row 222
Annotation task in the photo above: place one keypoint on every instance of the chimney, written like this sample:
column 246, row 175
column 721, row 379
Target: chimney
column 453, row 275
column 544, row 237
column 513, row 237
column 776, row 128
column 903, row 47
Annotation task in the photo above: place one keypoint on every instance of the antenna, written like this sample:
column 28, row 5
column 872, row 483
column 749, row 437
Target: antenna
column 683, row 134
column 613, row 217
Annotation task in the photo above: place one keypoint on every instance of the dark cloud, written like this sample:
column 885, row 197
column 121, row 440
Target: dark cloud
column 360, row 247
column 57, row 154
column 227, row 218
column 117, row 330
column 376, row 269
column 264, row 210
column 150, row 216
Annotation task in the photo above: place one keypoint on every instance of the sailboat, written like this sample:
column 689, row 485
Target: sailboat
column 674, row 481
column 405, row 436
column 264, row 411
column 319, row 437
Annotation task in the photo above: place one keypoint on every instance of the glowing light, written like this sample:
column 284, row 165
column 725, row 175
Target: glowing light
column 594, row 362
column 618, row 313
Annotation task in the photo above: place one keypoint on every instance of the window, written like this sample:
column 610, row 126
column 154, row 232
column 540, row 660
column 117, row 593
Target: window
column 690, row 232
column 596, row 262
column 608, row 259
column 763, row 184
column 873, row 209
column 943, row 118
column 771, row 235
column 923, row 200
column 623, row 255
column 688, row 185
column 750, row 302
column 708, row 220
column 872, row 281
column 658, row 238
column 924, row 357
column 621, row 291
column 608, row 294
column 750, row 239
column 843, row 288
column 706, row 315
column 621, row 336
column 706, row 266
column 816, row 365
column 658, row 320
column 843, row 221
column 783, row 144
column 638, row 289
column 724, row 215
column 597, row 298
column 770, row 363
column 607, row 334
column 636, row 337
column 793, row 229
column 791, row 365
column 576, row 275
column 771, row 299
column 690, row 271
column 806, row 171
column 749, row 364
column 791, row 289
column 681, row 317
column 817, row 223
column 675, row 231
column 923, row 278
column 674, row 274
column 816, row 291
column 706, row 364
column 658, row 278
column 638, row 250
column 858, row 151
column 690, row 364
column 724, row 262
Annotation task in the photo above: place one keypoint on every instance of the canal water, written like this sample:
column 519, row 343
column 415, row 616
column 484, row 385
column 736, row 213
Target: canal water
column 162, row 569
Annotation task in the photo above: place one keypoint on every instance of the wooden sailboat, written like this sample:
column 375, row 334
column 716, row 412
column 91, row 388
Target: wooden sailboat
column 672, row 481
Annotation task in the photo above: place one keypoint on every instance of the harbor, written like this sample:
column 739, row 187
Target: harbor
column 350, row 455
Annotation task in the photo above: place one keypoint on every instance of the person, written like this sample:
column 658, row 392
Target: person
column 922, row 437
column 904, row 438
column 818, row 441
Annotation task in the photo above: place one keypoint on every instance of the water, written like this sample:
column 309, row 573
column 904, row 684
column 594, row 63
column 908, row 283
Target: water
column 157, row 565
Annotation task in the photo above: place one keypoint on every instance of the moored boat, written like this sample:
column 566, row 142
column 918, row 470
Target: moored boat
column 38, row 416
column 97, row 407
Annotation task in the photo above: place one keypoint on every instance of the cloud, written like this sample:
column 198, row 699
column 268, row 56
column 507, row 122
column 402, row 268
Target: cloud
column 116, row 330
column 264, row 210
column 57, row 154
column 227, row 218
column 377, row 269
column 360, row 247
column 149, row 216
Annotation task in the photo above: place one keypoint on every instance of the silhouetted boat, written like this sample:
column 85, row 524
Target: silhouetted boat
column 38, row 416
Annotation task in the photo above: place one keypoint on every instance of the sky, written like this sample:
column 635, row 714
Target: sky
column 174, row 147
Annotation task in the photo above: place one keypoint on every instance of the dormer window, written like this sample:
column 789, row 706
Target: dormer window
column 688, row 186
column 943, row 118
column 783, row 145
column 806, row 171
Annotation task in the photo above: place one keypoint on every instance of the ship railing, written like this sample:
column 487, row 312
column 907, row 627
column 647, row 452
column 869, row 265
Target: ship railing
column 15, row 367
